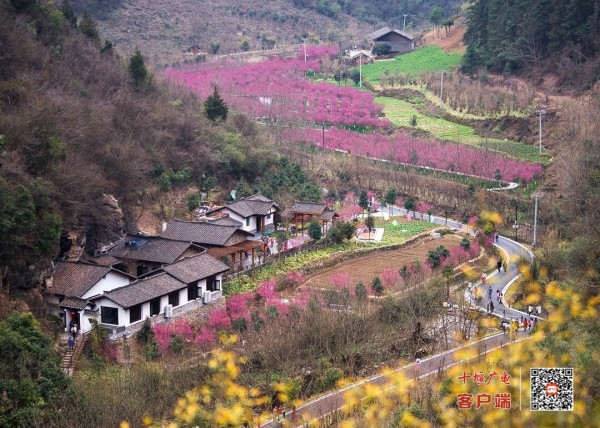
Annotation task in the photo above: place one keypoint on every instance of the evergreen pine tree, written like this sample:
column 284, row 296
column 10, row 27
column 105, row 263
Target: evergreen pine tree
column 68, row 13
column 87, row 26
column 215, row 108
column 363, row 200
column 137, row 68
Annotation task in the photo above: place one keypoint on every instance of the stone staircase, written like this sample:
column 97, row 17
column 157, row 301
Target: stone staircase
column 69, row 357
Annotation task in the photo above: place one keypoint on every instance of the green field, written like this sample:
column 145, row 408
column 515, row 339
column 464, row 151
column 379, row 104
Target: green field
column 428, row 58
column 394, row 234
column 400, row 113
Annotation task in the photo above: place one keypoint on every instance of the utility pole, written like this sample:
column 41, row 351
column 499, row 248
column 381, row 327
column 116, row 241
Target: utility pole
column 537, row 197
column 540, row 113
column 360, row 70
column 404, row 26
column 442, row 89
column 304, row 41
column 516, row 225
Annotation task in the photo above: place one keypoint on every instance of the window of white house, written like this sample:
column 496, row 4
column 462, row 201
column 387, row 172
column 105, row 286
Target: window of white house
column 247, row 221
column 109, row 315
column 192, row 292
column 268, row 216
column 155, row 306
column 135, row 313
column 174, row 298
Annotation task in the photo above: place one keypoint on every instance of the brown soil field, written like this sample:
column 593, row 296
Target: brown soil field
column 366, row 268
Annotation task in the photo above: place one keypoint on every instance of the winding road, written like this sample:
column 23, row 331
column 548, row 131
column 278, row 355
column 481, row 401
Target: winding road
column 512, row 251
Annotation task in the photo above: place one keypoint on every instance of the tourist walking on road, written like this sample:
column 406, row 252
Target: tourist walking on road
column 71, row 343
column 499, row 265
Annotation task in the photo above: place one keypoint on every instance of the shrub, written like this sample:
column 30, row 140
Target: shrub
column 377, row 285
column 382, row 48
column 193, row 201
column 145, row 334
column 176, row 344
column 361, row 291
column 151, row 351
column 314, row 230
column 436, row 257
column 465, row 244
column 240, row 325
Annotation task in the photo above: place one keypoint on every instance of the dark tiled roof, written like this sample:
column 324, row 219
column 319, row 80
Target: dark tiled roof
column 329, row 215
column 144, row 290
column 150, row 248
column 196, row 268
column 226, row 221
column 75, row 279
column 385, row 30
column 73, row 303
column 201, row 232
column 105, row 260
column 307, row 208
column 251, row 205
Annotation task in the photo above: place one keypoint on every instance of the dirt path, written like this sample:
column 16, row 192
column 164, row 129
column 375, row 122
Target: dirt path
column 452, row 42
column 366, row 268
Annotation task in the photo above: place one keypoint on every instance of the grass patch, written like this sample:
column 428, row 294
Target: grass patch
column 415, row 63
column 403, row 229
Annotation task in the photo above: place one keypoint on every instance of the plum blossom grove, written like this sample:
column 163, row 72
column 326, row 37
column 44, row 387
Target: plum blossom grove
column 250, row 309
column 403, row 149
column 277, row 90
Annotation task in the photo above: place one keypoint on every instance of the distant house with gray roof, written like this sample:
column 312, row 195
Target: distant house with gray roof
column 88, row 294
column 74, row 285
column 399, row 41
column 141, row 254
column 255, row 212
column 223, row 238
column 172, row 290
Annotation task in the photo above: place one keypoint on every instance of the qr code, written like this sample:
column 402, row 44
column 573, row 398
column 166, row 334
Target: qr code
column 552, row 389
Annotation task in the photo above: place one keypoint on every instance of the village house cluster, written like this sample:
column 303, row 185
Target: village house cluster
column 157, row 277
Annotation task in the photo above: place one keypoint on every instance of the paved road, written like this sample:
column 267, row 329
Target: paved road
column 500, row 281
column 326, row 404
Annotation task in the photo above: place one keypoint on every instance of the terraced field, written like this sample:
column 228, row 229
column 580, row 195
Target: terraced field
column 401, row 114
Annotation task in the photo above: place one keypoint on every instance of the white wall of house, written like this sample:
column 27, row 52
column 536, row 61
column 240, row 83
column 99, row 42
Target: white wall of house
column 201, row 287
column 111, row 281
column 270, row 218
column 251, row 220
column 123, row 314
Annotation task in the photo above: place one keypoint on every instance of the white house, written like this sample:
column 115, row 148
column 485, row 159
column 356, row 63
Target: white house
column 256, row 213
column 75, row 284
column 167, row 292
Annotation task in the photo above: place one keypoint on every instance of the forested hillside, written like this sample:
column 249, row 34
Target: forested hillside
column 559, row 36
column 84, row 136
column 163, row 30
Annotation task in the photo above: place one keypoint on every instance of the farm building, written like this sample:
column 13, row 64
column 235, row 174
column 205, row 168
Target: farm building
column 399, row 41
